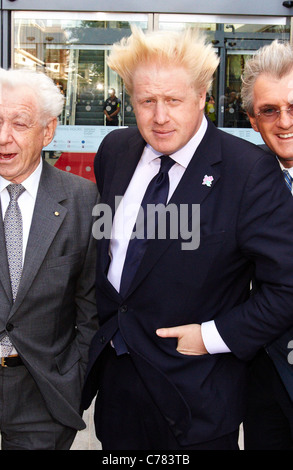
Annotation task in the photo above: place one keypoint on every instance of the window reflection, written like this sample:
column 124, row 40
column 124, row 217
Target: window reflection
column 235, row 41
column 72, row 48
column 73, row 52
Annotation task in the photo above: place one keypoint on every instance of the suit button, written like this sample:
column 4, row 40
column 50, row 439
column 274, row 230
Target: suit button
column 123, row 309
column 103, row 339
column 9, row 327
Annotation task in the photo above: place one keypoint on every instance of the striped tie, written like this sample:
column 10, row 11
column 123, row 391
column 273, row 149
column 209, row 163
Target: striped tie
column 288, row 179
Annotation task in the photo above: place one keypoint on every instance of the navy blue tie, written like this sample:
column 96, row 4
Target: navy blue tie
column 156, row 193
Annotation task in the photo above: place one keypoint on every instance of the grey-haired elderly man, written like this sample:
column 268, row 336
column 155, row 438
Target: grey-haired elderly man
column 48, row 311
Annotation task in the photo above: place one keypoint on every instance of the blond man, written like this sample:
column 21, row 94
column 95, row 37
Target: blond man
column 169, row 305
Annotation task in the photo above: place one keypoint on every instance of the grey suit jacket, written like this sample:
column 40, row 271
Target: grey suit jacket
column 53, row 319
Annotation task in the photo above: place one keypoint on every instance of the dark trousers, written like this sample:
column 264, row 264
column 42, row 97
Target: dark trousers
column 268, row 424
column 25, row 422
column 126, row 417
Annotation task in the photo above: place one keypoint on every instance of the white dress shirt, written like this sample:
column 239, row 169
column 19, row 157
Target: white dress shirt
column 26, row 202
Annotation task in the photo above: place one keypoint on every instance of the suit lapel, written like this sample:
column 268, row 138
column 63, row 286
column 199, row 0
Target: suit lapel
column 4, row 269
column 126, row 163
column 47, row 219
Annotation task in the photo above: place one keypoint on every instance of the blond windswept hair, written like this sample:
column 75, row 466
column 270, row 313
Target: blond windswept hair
column 187, row 49
column 275, row 60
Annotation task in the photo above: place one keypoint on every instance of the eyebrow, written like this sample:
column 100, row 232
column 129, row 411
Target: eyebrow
column 27, row 118
column 274, row 105
column 21, row 114
column 268, row 104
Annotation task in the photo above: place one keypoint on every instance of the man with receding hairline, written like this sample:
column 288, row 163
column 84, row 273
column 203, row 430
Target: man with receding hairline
column 48, row 311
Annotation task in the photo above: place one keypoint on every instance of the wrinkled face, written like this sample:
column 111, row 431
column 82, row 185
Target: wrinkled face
column 277, row 134
column 22, row 136
column 168, row 110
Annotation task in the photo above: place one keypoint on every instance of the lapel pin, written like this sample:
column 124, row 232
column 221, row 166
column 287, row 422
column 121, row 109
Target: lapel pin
column 207, row 181
column 56, row 213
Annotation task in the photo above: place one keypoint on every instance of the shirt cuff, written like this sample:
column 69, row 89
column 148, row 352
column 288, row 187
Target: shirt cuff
column 212, row 339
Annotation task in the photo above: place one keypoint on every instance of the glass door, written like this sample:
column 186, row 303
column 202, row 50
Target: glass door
column 72, row 48
column 235, row 39
column 242, row 39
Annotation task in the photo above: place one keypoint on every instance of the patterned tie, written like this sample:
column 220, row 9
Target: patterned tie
column 288, row 179
column 13, row 238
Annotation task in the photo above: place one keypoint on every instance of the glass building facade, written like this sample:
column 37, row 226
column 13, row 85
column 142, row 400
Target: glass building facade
column 71, row 45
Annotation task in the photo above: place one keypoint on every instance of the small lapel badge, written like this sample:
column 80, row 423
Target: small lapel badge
column 56, row 213
column 207, row 181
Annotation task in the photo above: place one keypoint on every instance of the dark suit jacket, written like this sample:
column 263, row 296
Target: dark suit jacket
column 53, row 319
column 279, row 349
column 244, row 229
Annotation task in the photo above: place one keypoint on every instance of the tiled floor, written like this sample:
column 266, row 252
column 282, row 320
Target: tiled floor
column 86, row 439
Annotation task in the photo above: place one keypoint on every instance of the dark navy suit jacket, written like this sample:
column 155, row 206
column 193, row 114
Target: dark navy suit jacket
column 280, row 349
column 244, row 231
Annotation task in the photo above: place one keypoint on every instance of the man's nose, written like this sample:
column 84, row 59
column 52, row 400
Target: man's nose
column 161, row 113
column 285, row 119
column 5, row 133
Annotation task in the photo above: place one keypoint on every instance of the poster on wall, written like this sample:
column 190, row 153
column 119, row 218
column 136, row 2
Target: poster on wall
column 73, row 148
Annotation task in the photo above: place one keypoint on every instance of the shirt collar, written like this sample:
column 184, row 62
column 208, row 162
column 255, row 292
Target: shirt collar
column 185, row 154
column 31, row 184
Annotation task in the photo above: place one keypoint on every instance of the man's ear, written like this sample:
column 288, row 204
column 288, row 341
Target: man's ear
column 253, row 122
column 49, row 131
column 202, row 96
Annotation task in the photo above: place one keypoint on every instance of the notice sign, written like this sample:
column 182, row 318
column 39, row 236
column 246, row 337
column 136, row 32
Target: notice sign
column 78, row 138
column 245, row 133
